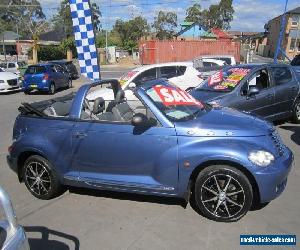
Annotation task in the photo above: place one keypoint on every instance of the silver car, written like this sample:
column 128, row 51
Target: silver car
column 12, row 235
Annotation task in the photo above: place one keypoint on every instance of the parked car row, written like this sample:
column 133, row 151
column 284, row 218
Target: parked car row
column 46, row 77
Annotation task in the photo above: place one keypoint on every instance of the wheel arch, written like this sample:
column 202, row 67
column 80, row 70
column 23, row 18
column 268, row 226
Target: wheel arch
column 23, row 157
column 244, row 170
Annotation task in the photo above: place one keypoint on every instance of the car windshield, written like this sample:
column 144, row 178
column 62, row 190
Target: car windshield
column 224, row 80
column 35, row 70
column 175, row 103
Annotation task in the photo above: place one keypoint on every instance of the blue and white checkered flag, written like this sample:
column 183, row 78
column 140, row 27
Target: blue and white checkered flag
column 85, row 39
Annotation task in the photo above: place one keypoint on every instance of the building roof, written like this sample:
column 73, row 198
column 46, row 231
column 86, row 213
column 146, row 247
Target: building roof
column 9, row 35
column 294, row 11
column 233, row 33
column 220, row 34
column 188, row 27
column 56, row 35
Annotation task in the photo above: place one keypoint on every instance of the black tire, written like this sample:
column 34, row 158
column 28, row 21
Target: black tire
column 296, row 112
column 40, row 179
column 216, row 204
column 26, row 92
column 52, row 89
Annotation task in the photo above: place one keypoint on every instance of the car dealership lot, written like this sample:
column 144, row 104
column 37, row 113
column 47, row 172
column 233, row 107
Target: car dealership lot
column 89, row 219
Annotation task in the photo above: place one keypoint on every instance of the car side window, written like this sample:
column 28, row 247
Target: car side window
column 59, row 69
column 168, row 72
column 11, row 65
column 52, row 68
column 181, row 70
column 281, row 75
column 147, row 75
column 3, row 65
column 260, row 79
column 206, row 64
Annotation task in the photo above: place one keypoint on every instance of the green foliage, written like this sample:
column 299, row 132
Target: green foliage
column 165, row 24
column 194, row 14
column 69, row 44
column 48, row 53
column 63, row 17
column 113, row 39
column 220, row 15
column 131, row 31
column 28, row 16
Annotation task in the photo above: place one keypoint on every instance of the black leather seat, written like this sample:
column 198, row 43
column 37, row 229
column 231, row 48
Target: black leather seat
column 122, row 112
column 120, row 97
column 99, row 108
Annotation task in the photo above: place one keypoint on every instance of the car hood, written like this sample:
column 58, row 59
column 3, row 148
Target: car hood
column 224, row 122
column 7, row 76
column 207, row 96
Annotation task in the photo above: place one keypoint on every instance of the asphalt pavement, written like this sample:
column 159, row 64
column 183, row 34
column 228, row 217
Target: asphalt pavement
column 89, row 219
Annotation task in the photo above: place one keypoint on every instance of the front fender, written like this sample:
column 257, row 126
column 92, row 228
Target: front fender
column 197, row 151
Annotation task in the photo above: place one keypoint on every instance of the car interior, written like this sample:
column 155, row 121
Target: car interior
column 117, row 110
column 260, row 79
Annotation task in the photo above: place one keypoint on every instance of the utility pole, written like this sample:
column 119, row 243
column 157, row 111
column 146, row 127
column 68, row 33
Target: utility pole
column 17, row 47
column 280, row 37
column 106, row 49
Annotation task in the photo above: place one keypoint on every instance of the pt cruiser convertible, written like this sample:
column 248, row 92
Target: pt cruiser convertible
column 162, row 143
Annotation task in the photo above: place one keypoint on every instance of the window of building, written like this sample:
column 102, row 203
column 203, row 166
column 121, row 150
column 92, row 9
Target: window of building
column 295, row 20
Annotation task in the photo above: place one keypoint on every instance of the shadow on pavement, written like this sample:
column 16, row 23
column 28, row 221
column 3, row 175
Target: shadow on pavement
column 295, row 137
column 129, row 196
column 45, row 242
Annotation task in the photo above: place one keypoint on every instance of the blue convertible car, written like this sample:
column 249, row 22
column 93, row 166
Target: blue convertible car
column 162, row 141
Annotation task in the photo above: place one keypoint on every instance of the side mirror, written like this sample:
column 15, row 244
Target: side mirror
column 253, row 91
column 141, row 120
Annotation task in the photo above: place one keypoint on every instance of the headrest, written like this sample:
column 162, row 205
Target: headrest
column 99, row 105
column 120, row 96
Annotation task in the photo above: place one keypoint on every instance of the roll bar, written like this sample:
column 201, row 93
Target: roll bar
column 8, row 210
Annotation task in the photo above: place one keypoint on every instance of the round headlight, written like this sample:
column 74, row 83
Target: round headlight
column 261, row 158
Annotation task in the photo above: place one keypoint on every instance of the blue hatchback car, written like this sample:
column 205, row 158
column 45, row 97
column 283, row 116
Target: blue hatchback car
column 46, row 78
column 160, row 141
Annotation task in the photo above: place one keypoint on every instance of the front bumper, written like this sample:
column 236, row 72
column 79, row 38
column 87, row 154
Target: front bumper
column 272, row 180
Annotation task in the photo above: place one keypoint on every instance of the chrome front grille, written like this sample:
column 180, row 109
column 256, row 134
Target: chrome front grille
column 277, row 142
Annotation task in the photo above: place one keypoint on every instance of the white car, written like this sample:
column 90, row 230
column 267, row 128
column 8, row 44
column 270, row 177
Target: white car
column 13, row 67
column 181, row 74
column 9, row 81
column 230, row 60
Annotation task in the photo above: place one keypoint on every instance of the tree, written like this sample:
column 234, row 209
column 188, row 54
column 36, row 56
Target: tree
column 131, row 31
column 194, row 14
column 165, row 24
column 63, row 17
column 219, row 15
column 113, row 39
column 28, row 15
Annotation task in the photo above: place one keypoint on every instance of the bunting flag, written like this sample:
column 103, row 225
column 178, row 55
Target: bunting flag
column 85, row 38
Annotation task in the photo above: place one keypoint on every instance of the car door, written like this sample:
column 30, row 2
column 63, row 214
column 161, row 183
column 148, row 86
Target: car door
column 61, row 79
column 262, row 103
column 116, row 155
column 286, row 89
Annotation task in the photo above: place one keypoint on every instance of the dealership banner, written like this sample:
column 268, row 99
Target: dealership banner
column 85, row 38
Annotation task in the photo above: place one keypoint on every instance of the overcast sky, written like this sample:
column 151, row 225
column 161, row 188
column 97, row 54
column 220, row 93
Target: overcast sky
column 250, row 15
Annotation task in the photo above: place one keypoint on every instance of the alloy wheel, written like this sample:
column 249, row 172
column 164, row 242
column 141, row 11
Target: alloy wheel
column 222, row 196
column 38, row 178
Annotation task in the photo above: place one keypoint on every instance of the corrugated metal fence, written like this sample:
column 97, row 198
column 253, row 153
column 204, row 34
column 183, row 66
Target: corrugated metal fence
column 174, row 51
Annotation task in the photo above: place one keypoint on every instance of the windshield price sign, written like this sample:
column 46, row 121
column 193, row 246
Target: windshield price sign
column 171, row 96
